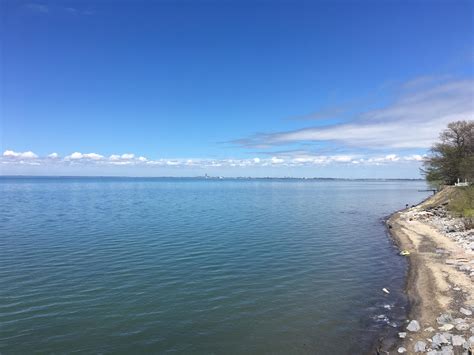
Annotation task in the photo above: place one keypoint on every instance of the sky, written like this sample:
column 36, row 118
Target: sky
column 349, row 89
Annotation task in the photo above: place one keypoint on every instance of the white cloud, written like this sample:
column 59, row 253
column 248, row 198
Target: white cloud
column 53, row 156
column 128, row 156
column 415, row 157
column 276, row 160
column 19, row 155
column 75, row 156
column 86, row 156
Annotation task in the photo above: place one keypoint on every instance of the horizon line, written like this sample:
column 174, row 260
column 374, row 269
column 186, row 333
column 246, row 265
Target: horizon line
column 205, row 177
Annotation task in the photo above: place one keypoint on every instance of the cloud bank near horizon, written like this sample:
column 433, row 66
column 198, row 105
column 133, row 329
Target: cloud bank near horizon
column 10, row 157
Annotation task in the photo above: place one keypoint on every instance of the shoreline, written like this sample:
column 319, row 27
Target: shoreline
column 439, row 281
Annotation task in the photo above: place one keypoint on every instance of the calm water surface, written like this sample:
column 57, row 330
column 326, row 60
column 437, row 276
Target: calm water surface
column 197, row 266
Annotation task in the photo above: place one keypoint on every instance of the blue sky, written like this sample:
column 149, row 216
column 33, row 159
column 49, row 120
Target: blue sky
column 233, row 88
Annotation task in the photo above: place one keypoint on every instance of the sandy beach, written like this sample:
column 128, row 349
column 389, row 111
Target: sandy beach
column 439, row 285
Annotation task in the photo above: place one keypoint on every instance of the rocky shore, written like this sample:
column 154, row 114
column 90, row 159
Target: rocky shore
column 440, row 282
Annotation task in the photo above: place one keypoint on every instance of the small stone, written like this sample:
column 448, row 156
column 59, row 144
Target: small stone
column 458, row 340
column 413, row 326
column 471, row 341
column 419, row 347
column 446, row 327
column 450, row 262
column 439, row 339
column 447, row 336
column 432, row 352
column 444, row 318
column 462, row 326
column 429, row 329
column 465, row 311
column 402, row 350
column 402, row 335
column 446, row 350
column 459, row 320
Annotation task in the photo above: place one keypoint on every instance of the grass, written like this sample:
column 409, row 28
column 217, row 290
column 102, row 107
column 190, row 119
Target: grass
column 462, row 205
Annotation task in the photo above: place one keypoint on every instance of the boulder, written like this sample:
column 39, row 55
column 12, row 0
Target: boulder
column 458, row 340
column 446, row 327
column 419, row 347
column 438, row 340
column 413, row 326
column 444, row 318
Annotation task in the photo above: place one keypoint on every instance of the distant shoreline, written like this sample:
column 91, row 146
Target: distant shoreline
column 202, row 178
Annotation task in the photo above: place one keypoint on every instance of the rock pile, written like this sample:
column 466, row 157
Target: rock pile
column 454, row 335
column 454, row 228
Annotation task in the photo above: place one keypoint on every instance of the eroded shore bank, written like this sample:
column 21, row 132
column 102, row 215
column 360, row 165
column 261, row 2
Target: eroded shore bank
column 440, row 278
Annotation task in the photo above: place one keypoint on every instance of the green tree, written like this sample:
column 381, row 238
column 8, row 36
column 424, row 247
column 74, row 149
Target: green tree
column 452, row 157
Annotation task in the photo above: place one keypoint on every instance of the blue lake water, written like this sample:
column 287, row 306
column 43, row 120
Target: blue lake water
column 197, row 266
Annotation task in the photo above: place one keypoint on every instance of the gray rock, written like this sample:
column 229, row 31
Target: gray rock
column 413, row 326
column 432, row 352
column 459, row 320
column 402, row 350
column 465, row 311
column 458, row 340
column 446, row 350
column 462, row 326
column 420, row 346
column 444, row 318
column 447, row 336
column 402, row 335
column 446, row 327
column 439, row 339
column 471, row 341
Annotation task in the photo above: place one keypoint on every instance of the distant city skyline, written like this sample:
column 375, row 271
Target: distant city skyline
column 175, row 88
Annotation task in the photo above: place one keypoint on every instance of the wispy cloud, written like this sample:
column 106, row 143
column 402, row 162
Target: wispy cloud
column 41, row 8
column 413, row 120
column 37, row 7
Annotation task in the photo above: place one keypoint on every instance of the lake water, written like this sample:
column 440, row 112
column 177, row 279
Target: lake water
column 183, row 266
